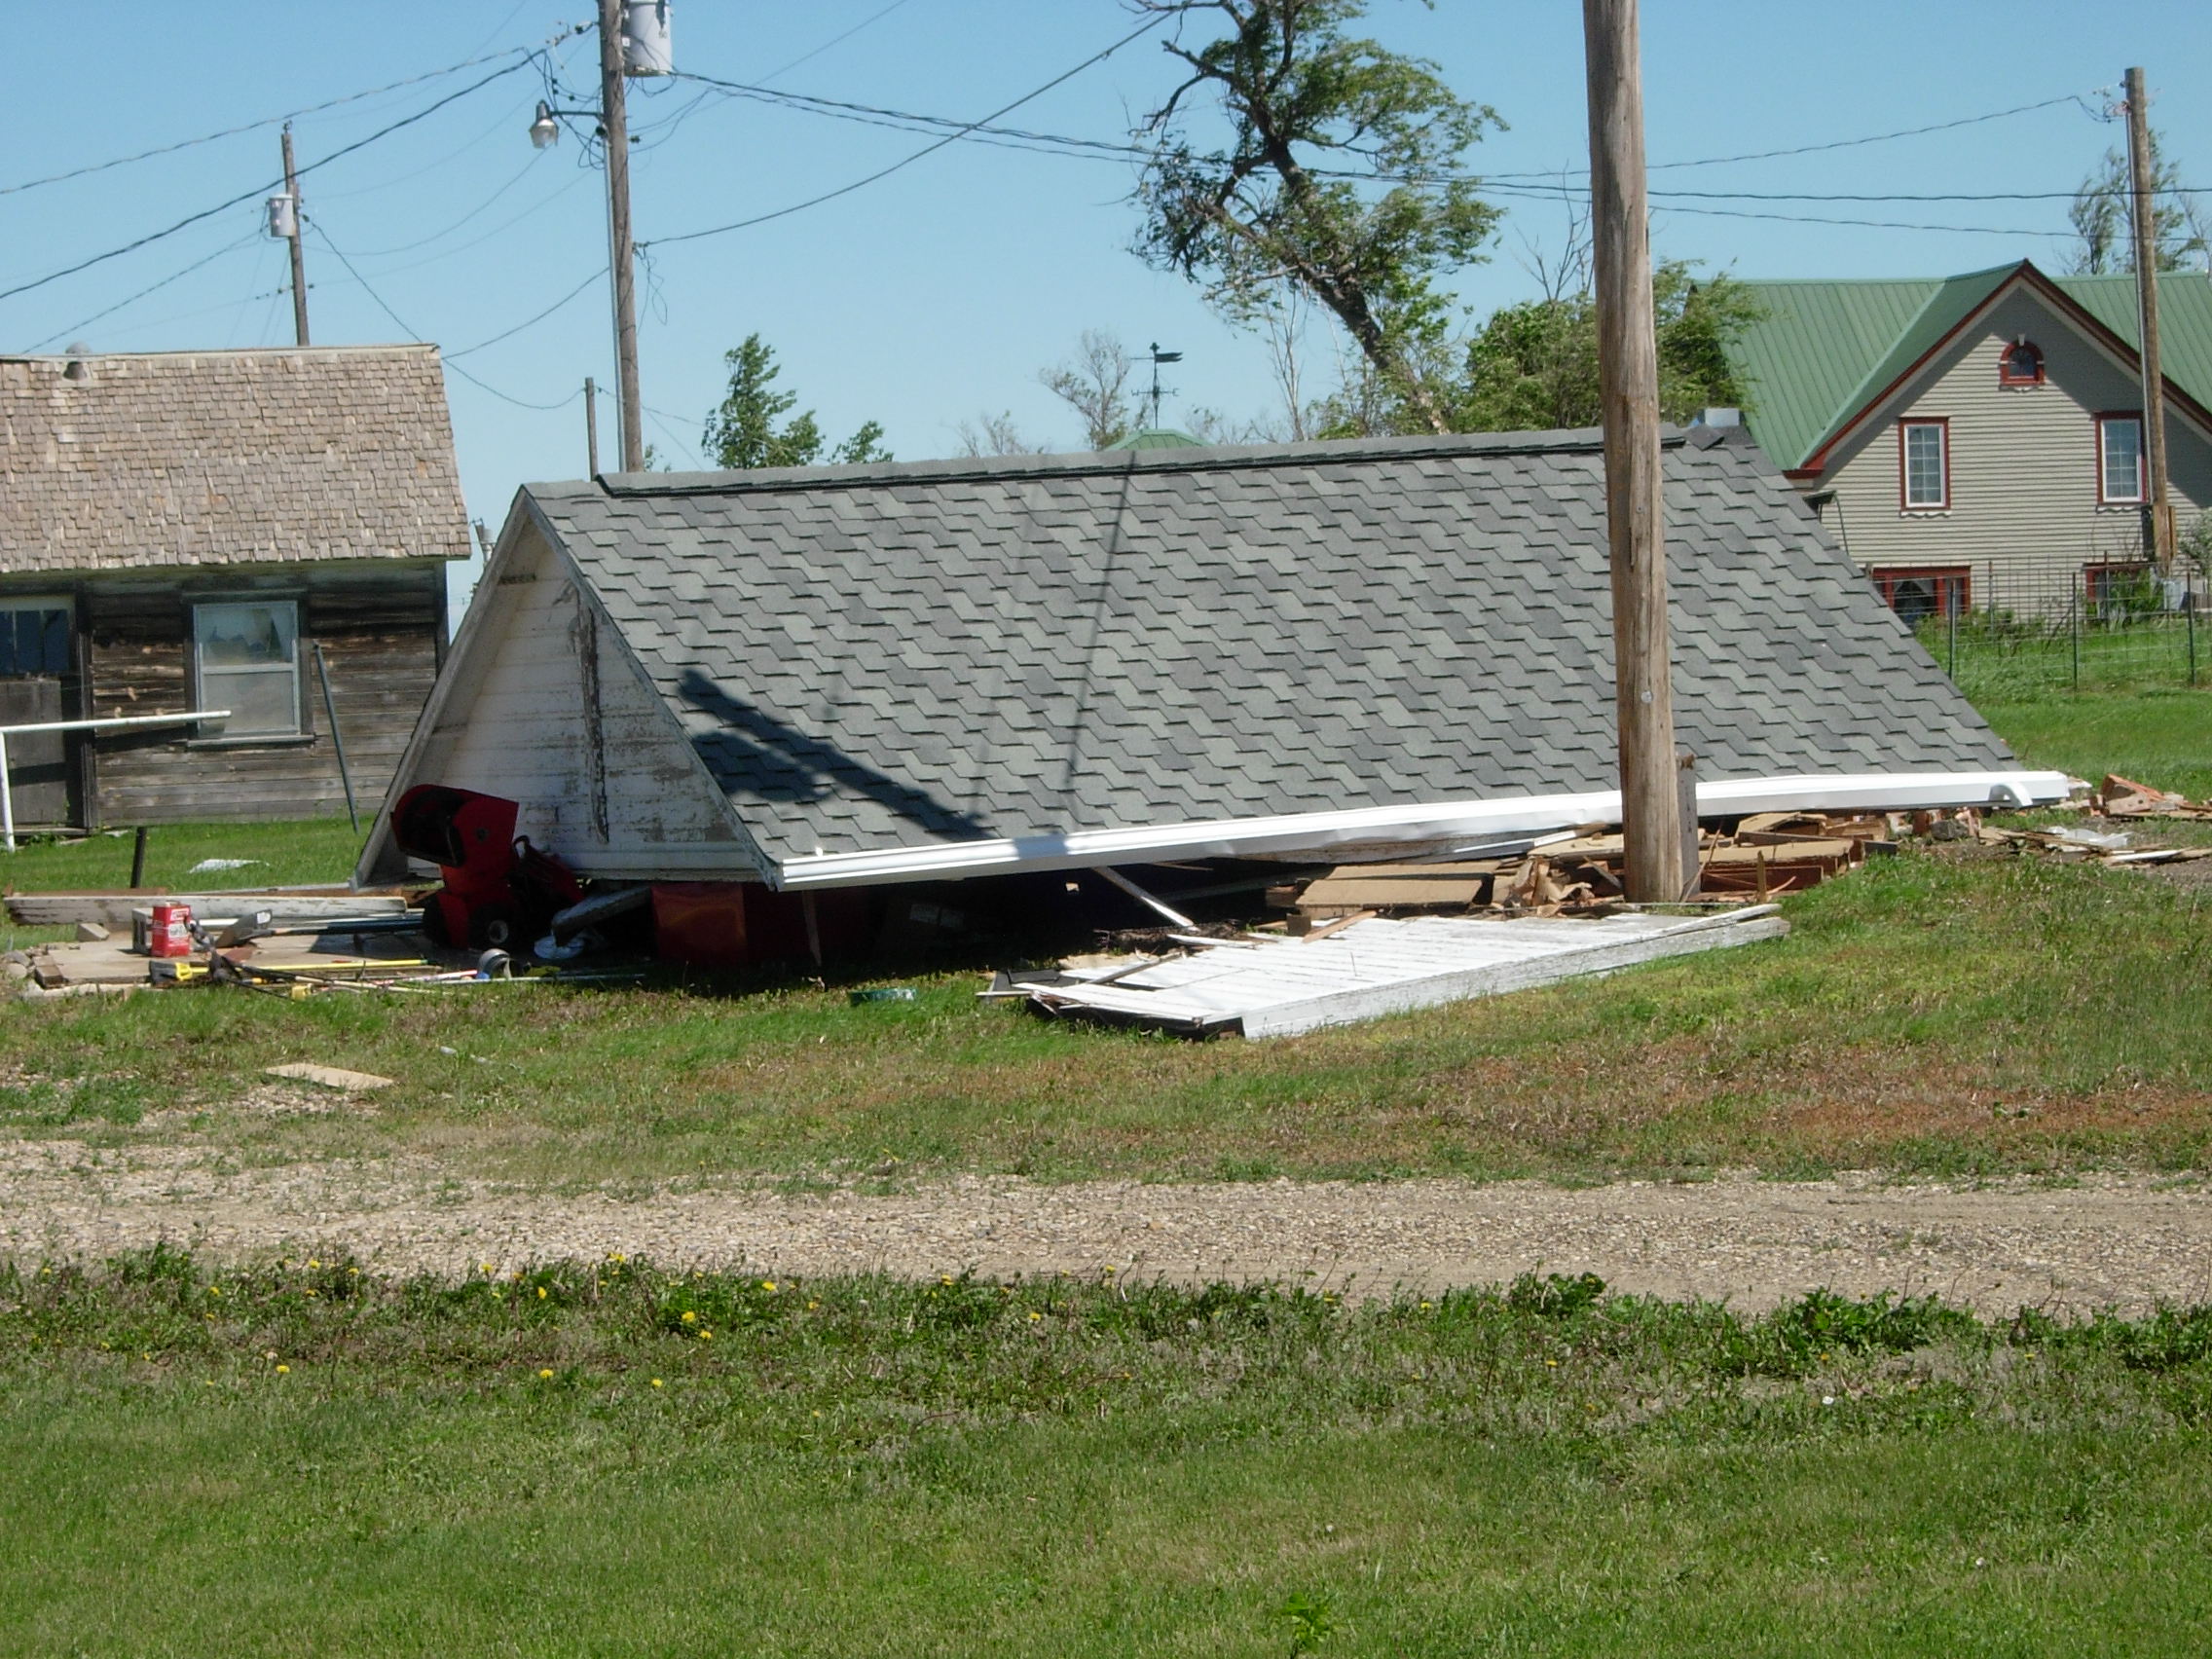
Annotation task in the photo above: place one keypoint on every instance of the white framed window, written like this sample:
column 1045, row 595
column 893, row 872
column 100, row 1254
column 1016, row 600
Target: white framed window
column 2119, row 461
column 1923, row 465
column 245, row 657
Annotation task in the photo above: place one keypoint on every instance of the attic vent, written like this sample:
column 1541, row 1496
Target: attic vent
column 80, row 368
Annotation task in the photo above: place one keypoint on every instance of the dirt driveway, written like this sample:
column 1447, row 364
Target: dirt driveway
column 2123, row 1242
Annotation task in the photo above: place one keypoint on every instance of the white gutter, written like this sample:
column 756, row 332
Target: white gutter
column 1317, row 832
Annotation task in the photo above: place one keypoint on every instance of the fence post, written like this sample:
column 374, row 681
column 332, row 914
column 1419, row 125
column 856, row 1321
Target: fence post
column 2189, row 613
column 2074, row 617
column 1951, row 615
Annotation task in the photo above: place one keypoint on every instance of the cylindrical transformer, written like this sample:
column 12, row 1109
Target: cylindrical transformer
column 284, row 217
column 645, row 38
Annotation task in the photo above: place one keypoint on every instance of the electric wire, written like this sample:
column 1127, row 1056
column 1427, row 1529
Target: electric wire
column 150, row 288
column 223, row 207
column 258, row 126
column 535, row 156
column 834, row 40
column 413, row 333
column 909, row 161
column 592, row 276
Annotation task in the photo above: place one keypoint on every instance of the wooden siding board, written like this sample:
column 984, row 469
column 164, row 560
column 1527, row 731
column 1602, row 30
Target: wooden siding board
column 518, row 729
column 377, row 626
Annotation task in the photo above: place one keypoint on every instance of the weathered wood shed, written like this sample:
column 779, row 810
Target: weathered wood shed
column 191, row 530
column 852, row 676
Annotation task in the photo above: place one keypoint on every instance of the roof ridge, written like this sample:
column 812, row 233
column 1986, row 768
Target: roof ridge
column 1208, row 458
column 431, row 345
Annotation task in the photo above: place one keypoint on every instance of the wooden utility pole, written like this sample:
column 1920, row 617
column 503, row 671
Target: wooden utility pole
column 1628, row 383
column 614, row 130
column 591, row 426
column 2142, row 181
column 299, row 259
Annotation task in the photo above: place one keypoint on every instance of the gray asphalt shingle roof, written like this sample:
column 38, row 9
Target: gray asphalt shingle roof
column 898, row 655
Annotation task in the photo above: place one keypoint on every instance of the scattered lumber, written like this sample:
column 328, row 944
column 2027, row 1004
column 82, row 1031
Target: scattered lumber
column 2123, row 797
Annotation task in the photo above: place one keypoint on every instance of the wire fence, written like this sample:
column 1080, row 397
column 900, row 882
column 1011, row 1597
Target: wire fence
column 2029, row 628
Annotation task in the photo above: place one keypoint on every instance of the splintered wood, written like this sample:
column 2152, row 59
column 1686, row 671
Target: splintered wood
column 1767, row 854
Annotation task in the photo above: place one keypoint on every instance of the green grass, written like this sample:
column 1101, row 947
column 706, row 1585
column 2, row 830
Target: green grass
column 865, row 1466
column 317, row 850
column 1942, row 1014
column 2163, row 739
column 2019, row 662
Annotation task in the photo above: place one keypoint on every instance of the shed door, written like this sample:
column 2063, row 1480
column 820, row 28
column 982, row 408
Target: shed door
column 34, row 659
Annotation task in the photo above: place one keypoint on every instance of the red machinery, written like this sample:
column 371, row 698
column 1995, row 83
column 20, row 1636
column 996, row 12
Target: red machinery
column 499, row 889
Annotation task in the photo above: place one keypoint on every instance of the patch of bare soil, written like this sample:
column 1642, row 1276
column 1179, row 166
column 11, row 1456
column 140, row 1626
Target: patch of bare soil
column 2124, row 1243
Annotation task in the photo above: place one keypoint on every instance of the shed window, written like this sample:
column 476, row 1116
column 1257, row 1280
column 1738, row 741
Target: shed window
column 2119, row 458
column 34, row 642
column 2021, row 365
column 246, row 659
column 1924, row 460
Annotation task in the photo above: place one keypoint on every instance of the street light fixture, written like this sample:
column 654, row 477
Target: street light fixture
column 544, row 132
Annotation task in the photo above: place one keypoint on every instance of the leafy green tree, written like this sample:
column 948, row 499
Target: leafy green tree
column 744, row 433
column 1534, row 365
column 2103, row 218
column 1337, row 178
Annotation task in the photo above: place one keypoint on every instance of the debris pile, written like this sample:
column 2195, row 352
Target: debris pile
column 1579, row 872
column 2122, row 798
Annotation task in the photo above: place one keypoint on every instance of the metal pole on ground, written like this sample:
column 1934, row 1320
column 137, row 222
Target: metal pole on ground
column 2074, row 619
column 337, row 737
column 138, row 859
column 1628, row 377
column 6, row 799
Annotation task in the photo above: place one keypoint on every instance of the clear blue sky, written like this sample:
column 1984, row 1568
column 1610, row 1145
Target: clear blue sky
column 938, row 292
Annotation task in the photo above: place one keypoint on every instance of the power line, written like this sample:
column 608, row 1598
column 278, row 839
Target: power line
column 834, row 40
column 257, row 125
column 222, row 207
column 509, row 333
column 926, row 150
column 413, row 333
column 535, row 156
column 151, row 287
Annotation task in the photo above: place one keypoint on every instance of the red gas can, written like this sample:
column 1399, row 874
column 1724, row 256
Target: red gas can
column 172, row 932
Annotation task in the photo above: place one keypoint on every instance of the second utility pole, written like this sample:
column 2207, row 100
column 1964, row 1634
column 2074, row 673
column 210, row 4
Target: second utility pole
column 614, row 130
column 2142, row 187
column 299, row 260
column 1627, row 384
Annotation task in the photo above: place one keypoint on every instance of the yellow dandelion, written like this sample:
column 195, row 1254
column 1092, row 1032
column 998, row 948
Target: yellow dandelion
column 945, row 1278
column 485, row 1265
column 706, row 1335
column 1035, row 1317
column 771, row 1284
column 690, row 1317
column 310, row 1290
column 656, row 1382
column 542, row 1293
column 812, row 1306
column 214, row 1290
column 545, row 1375
column 283, row 1370
column 1109, row 1270
column 354, row 1271
column 313, row 1264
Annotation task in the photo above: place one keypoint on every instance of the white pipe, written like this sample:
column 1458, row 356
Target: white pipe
column 1316, row 831
column 7, row 790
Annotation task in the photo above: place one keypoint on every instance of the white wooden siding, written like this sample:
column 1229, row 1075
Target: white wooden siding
column 632, row 803
column 2023, row 513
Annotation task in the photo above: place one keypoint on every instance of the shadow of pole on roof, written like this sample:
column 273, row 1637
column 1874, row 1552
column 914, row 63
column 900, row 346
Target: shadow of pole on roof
column 1100, row 604
column 756, row 754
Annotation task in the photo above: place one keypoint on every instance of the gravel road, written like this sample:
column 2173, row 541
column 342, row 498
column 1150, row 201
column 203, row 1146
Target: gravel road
column 2123, row 1242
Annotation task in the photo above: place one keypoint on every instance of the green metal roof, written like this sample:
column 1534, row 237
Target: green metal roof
column 1156, row 438
column 1824, row 349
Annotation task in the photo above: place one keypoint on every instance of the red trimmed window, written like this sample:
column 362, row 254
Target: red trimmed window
column 2021, row 364
column 1923, row 465
column 1918, row 593
column 2119, row 461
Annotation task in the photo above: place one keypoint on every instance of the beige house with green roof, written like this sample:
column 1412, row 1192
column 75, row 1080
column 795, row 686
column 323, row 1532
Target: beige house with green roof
column 1976, row 441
